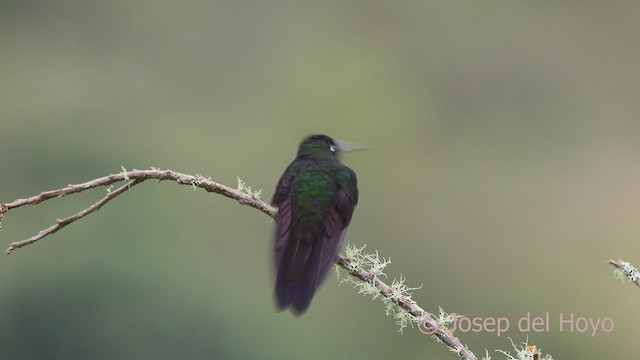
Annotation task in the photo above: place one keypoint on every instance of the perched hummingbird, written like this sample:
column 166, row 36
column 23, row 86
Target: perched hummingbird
column 315, row 197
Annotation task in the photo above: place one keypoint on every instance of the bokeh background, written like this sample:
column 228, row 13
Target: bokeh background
column 504, row 171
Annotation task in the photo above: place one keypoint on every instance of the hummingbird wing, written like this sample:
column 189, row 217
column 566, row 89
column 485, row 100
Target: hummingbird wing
column 282, row 200
column 337, row 222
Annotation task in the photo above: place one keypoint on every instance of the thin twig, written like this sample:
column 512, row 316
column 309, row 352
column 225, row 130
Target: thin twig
column 627, row 270
column 134, row 177
column 68, row 220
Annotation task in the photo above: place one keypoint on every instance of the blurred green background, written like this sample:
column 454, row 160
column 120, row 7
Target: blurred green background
column 504, row 172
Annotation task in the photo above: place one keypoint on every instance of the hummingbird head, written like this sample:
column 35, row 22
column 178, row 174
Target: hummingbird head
column 322, row 146
column 317, row 146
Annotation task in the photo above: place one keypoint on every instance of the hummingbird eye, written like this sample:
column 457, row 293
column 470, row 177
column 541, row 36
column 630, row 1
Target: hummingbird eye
column 332, row 148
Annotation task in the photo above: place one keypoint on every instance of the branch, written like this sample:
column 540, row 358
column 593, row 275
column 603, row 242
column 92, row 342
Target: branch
column 426, row 321
column 66, row 221
column 184, row 179
column 132, row 178
column 625, row 269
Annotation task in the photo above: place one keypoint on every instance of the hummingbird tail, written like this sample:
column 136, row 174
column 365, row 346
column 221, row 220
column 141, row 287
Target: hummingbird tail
column 297, row 277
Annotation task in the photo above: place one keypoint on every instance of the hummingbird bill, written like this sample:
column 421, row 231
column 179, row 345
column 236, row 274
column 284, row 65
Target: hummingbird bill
column 315, row 197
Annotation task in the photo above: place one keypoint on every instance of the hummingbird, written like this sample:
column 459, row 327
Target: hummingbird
column 315, row 197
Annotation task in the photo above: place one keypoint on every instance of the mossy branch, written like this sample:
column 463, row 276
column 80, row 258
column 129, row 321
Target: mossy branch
column 392, row 294
column 624, row 270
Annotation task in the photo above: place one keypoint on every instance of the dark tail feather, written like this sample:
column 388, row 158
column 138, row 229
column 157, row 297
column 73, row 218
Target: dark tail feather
column 297, row 278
